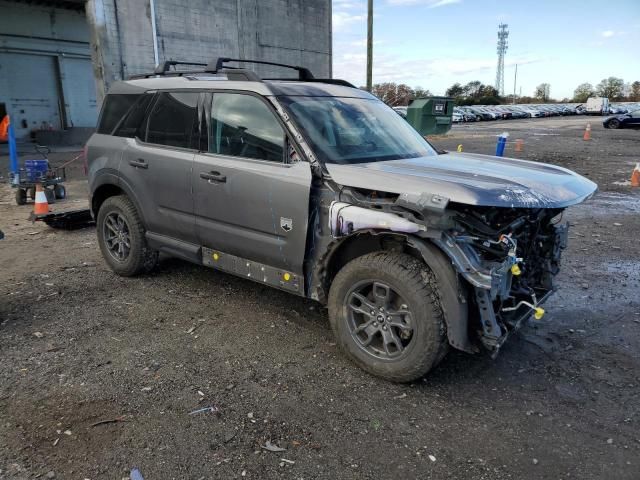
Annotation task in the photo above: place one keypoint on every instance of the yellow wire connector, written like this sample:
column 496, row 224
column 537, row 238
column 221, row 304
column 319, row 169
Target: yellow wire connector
column 539, row 313
column 215, row 256
column 286, row 277
column 515, row 269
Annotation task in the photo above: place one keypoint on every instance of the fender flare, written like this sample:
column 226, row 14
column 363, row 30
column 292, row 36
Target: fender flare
column 453, row 294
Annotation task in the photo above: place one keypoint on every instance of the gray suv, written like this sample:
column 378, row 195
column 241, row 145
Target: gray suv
column 318, row 188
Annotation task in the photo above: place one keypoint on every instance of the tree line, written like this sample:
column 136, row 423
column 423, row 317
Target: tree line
column 477, row 93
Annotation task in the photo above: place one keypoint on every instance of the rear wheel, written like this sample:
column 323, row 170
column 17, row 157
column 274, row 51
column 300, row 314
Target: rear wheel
column 21, row 196
column 60, row 191
column 50, row 196
column 614, row 123
column 121, row 238
column 386, row 316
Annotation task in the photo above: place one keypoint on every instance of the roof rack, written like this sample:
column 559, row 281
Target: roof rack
column 165, row 67
column 217, row 66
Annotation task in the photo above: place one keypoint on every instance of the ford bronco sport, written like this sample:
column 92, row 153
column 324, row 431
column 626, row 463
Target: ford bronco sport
column 318, row 188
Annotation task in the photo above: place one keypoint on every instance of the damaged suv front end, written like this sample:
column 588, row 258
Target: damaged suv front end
column 497, row 220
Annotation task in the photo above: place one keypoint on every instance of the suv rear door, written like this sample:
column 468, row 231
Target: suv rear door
column 249, row 200
column 157, row 164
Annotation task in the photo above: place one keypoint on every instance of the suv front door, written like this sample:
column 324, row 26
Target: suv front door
column 249, row 201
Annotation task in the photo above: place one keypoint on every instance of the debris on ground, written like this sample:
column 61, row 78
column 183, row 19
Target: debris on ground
column 210, row 409
column 136, row 475
column 110, row 420
column 271, row 447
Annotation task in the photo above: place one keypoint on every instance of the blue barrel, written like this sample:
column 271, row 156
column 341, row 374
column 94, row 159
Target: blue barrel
column 502, row 142
column 35, row 169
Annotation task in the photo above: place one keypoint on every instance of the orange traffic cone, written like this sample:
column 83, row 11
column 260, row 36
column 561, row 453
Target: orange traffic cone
column 41, row 205
column 587, row 132
column 519, row 144
column 635, row 176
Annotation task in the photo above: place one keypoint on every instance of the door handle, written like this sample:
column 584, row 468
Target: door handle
column 213, row 177
column 140, row 163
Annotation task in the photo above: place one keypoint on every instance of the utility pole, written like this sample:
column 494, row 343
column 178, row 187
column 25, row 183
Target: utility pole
column 515, row 81
column 370, row 45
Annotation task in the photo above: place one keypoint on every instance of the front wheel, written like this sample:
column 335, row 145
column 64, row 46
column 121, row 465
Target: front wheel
column 614, row 123
column 386, row 316
column 121, row 238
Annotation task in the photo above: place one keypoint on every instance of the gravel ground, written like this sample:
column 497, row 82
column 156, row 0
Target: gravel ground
column 79, row 346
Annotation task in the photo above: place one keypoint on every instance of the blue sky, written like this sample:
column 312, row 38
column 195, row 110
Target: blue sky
column 435, row 43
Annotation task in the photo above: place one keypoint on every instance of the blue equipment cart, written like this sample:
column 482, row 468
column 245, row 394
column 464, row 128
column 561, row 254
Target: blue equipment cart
column 35, row 171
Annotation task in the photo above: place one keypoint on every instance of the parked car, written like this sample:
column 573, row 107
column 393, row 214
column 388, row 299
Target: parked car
column 402, row 111
column 471, row 114
column 319, row 189
column 627, row 120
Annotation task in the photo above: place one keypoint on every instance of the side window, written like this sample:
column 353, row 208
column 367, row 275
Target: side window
column 243, row 126
column 132, row 125
column 115, row 107
column 172, row 119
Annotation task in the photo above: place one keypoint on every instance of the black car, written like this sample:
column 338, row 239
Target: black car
column 628, row 120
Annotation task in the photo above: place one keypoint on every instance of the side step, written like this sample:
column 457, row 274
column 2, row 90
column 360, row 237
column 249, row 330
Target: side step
column 69, row 220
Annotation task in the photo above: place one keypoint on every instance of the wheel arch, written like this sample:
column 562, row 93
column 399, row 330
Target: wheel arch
column 110, row 186
column 452, row 289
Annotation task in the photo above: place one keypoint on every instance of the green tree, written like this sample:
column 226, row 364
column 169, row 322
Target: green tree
column 420, row 92
column 582, row 92
column 543, row 92
column 611, row 88
column 634, row 96
column 455, row 91
column 473, row 89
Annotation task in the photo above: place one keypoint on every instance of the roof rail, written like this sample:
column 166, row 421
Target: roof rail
column 218, row 64
column 164, row 67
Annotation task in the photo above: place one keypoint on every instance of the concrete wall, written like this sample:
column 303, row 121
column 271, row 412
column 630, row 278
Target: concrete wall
column 287, row 31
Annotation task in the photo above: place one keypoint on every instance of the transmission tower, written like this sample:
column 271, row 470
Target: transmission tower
column 503, row 33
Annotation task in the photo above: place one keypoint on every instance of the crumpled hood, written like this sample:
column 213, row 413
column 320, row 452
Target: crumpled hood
column 471, row 179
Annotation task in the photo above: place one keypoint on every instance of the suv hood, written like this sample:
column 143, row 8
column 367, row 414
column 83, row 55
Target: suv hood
column 471, row 179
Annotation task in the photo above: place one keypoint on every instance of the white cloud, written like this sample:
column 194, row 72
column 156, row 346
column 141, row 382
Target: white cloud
column 612, row 33
column 428, row 3
column 341, row 20
column 425, row 72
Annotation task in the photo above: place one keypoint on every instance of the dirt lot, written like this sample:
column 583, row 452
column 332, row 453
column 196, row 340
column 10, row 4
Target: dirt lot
column 79, row 345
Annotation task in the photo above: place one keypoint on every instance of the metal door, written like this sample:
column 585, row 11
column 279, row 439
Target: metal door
column 159, row 169
column 252, row 208
column 80, row 91
column 28, row 89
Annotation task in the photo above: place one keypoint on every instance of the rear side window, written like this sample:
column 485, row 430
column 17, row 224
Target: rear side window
column 115, row 107
column 173, row 119
column 243, row 126
column 133, row 125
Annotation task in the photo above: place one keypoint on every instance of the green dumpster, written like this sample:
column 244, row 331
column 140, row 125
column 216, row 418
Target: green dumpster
column 430, row 115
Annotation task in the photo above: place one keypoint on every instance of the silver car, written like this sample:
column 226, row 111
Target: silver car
column 318, row 188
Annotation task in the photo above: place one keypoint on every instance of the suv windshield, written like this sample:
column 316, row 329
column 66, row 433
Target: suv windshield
column 355, row 130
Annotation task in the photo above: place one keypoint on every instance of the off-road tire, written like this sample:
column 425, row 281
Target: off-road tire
column 416, row 283
column 141, row 259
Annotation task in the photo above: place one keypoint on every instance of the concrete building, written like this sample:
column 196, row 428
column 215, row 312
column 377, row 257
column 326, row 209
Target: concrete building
column 58, row 58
